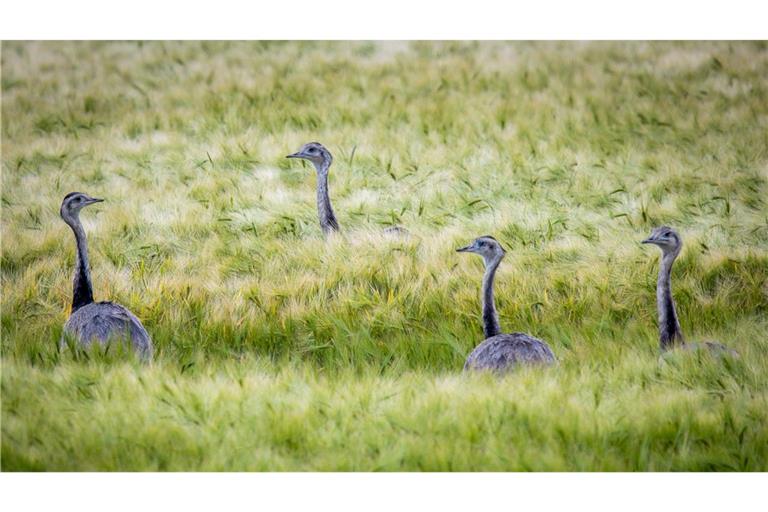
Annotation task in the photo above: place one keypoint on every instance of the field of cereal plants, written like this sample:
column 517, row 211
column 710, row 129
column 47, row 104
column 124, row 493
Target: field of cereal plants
column 279, row 349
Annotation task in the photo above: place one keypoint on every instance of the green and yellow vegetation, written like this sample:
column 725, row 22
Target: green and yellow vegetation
column 277, row 349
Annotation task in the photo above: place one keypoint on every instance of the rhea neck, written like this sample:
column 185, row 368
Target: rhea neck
column 82, row 289
column 670, row 333
column 328, row 221
column 490, row 317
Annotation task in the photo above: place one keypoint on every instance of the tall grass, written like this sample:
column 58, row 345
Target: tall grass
column 278, row 349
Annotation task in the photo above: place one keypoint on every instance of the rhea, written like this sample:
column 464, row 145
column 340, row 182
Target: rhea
column 321, row 158
column 500, row 352
column 670, row 334
column 103, row 322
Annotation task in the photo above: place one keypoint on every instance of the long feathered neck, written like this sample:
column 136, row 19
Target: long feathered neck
column 669, row 326
column 490, row 317
column 328, row 221
column 82, row 290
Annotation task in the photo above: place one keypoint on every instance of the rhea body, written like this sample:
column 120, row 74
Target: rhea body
column 103, row 322
column 670, row 334
column 500, row 352
column 322, row 159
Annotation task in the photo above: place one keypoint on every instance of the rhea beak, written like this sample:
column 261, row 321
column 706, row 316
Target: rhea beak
column 464, row 249
column 648, row 241
column 294, row 155
column 95, row 200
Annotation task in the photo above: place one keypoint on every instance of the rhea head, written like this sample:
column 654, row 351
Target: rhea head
column 73, row 203
column 315, row 153
column 666, row 239
column 487, row 247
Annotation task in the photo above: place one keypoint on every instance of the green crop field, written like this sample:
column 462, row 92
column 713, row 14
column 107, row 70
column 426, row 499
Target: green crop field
column 278, row 349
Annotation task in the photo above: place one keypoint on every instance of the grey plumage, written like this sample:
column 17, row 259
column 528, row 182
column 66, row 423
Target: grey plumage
column 504, row 351
column 712, row 347
column 104, row 322
column 322, row 159
column 670, row 333
column 397, row 231
column 500, row 352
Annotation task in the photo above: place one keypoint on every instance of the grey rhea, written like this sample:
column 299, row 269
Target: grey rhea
column 103, row 322
column 500, row 352
column 670, row 334
column 321, row 158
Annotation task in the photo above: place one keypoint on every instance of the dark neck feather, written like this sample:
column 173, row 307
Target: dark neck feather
column 328, row 220
column 490, row 317
column 82, row 290
column 670, row 333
